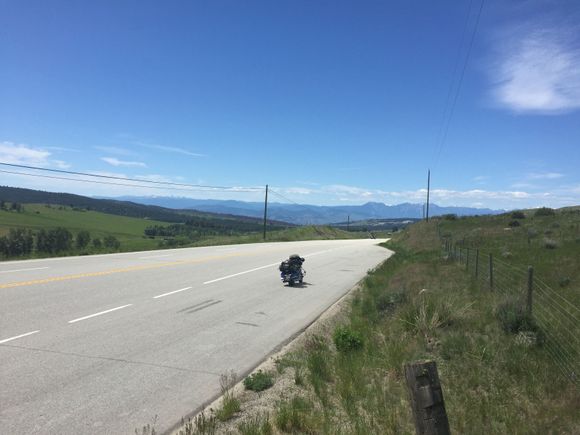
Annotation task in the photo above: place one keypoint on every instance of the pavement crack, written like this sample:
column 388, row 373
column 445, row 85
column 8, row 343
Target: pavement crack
column 108, row 358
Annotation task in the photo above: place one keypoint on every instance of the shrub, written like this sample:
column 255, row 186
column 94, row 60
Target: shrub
column 346, row 340
column 518, row 215
column 514, row 318
column 450, row 217
column 564, row 281
column 545, row 211
column 550, row 244
column 259, row 381
column 514, row 224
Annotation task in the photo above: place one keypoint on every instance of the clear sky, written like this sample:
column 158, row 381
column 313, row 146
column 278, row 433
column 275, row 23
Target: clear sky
column 331, row 102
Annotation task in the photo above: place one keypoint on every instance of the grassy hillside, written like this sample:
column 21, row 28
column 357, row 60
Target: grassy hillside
column 551, row 244
column 348, row 376
column 130, row 231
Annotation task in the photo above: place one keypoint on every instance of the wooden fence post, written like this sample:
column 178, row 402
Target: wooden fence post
column 490, row 273
column 467, row 260
column 530, row 288
column 426, row 396
column 476, row 262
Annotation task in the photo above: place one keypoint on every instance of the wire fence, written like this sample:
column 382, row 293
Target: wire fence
column 557, row 318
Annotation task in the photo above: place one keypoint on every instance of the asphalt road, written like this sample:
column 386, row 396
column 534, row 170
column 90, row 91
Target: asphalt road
column 103, row 344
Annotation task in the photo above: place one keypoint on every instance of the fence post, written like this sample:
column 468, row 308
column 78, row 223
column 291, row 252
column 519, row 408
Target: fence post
column 476, row 262
column 467, row 260
column 530, row 288
column 490, row 273
column 426, row 396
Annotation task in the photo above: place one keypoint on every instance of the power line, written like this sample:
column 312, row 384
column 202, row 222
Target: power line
column 457, row 91
column 453, row 77
column 112, row 177
column 121, row 184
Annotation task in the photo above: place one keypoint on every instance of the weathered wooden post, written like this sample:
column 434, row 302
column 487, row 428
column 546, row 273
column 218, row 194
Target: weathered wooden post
column 426, row 396
column 467, row 260
column 476, row 263
column 530, row 288
column 490, row 273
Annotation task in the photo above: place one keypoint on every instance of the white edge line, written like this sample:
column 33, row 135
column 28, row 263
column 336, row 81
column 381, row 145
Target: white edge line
column 241, row 273
column 24, row 270
column 18, row 336
column 170, row 293
column 155, row 256
column 98, row 314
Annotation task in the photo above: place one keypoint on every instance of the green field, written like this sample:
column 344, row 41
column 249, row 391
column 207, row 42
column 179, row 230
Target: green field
column 130, row 231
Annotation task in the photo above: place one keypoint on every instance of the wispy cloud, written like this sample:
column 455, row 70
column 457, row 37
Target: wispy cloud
column 22, row 154
column 538, row 69
column 116, row 162
column 116, row 151
column 169, row 149
column 545, row 176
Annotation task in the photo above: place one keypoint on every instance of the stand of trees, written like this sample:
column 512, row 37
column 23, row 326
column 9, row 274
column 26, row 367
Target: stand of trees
column 194, row 229
column 23, row 243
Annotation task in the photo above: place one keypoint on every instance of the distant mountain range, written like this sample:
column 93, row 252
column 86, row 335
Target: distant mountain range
column 308, row 214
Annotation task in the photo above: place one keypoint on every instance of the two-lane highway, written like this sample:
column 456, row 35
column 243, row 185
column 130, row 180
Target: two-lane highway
column 103, row 344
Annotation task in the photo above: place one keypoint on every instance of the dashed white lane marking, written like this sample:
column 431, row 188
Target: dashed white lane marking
column 18, row 336
column 241, row 273
column 170, row 293
column 261, row 267
column 98, row 314
column 23, row 270
column 155, row 256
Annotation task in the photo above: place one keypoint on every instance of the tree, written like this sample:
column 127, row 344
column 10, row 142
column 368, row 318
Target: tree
column 83, row 239
column 18, row 242
column 97, row 244
column 545, row 211
column 111, row 242
column 53, row 241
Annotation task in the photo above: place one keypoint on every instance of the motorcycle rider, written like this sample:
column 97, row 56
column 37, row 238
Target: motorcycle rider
column 293, row 264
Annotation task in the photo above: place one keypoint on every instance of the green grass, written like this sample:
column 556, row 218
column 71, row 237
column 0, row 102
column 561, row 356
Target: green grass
column 128, row 230
column 418, row 306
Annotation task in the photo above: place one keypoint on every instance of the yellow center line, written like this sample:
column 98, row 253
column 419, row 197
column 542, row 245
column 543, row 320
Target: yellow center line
column 113, row 271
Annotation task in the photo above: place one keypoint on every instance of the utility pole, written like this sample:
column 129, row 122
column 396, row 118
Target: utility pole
column 265, row 211
column 428, row 189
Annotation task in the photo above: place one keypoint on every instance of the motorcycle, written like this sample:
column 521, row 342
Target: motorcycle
column 292, row 276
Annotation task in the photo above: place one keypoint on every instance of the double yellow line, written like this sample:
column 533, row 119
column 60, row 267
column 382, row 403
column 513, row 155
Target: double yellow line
column 113, row 271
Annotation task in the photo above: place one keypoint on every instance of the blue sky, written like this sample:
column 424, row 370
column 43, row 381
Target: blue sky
column 331, row 102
